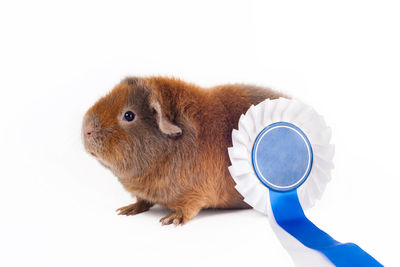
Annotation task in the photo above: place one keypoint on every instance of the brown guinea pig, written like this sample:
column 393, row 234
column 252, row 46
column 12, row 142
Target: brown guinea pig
column 166, row 140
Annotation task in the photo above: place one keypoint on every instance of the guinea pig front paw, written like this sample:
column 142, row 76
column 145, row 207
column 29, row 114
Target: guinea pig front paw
column 175, row 218
column 138, row 207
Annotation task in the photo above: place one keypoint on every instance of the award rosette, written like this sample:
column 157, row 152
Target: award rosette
column 281, row 162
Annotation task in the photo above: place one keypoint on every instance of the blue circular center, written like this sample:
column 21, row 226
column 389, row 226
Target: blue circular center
column 282, row 156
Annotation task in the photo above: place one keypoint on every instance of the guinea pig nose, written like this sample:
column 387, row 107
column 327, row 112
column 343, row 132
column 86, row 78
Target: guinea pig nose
column 90, row 125
column 89, row 132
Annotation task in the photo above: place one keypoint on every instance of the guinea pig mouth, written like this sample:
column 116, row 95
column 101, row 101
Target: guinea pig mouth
column 90, row 149
column 92, row 146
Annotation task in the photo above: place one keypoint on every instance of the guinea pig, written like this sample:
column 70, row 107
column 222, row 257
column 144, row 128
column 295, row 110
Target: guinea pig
column 166, row 140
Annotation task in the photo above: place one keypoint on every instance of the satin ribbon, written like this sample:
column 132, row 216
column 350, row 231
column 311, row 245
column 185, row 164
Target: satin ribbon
column 290, row 216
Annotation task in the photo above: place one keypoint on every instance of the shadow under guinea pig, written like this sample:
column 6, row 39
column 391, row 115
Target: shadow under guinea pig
column 158, row 211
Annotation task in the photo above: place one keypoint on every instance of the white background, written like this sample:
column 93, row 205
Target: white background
column 57, row 203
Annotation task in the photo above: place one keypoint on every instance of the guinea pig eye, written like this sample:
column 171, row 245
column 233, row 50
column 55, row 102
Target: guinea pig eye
column 129, row 116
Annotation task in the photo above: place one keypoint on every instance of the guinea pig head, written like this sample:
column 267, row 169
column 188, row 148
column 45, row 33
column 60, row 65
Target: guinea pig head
column 127, row 130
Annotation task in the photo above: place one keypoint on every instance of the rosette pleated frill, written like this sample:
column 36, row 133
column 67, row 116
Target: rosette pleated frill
column 253, row 122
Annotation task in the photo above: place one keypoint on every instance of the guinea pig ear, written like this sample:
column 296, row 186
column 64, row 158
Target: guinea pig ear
column 164, row 124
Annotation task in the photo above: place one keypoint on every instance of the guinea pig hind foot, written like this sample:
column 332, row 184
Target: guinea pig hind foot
column 175, row 218
column 180, row 217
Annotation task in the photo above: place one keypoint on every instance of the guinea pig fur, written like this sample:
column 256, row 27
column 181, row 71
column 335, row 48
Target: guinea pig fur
column 166, row 140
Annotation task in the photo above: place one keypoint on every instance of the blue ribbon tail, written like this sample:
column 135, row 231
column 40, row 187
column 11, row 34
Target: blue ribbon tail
column 290, row 216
